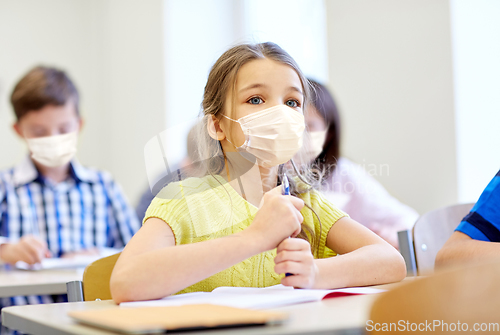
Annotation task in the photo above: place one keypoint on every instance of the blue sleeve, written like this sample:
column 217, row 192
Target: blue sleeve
column 125, row 223
column 2, row 192
column 3, row 215
column 483, row 221
column 2, row 198
column 144, row 203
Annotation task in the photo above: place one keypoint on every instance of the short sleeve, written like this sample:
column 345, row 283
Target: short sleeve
column 483, row 221
column 328, row 215
column 167, row 205
column 181, row 205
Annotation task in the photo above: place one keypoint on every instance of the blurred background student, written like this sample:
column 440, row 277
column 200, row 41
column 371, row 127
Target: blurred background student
column 471, row 240
column 50, row 205
column 346, row 183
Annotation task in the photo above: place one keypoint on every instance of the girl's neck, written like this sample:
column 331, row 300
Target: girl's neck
column 249, row 179
column 269, row 178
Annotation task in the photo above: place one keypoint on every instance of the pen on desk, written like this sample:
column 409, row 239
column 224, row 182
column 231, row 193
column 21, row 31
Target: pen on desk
column 285, row 190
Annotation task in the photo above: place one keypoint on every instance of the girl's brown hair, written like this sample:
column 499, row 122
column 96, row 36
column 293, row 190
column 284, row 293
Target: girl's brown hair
column 221, row 82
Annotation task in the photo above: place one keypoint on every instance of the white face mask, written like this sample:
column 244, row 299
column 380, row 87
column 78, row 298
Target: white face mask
column 53, row 151
column 272, row 135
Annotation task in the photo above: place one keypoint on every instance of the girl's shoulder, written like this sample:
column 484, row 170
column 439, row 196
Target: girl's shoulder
column 316, row 199
column 177, row 199
column 193, row 186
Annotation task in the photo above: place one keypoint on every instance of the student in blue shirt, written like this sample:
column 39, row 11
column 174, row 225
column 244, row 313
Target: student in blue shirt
column 472, row 239
column 50, row 205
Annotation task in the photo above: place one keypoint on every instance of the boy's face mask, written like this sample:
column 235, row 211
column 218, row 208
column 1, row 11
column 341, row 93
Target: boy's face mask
column 272, row 135
column 53, row 151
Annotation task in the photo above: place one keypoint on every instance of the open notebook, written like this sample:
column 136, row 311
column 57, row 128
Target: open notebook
column 253, row 298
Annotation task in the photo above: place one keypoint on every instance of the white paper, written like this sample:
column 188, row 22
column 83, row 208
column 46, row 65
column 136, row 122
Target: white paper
column 67, row 263
column 250, row 297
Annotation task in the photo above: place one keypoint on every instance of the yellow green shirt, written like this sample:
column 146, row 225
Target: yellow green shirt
column 201, row 209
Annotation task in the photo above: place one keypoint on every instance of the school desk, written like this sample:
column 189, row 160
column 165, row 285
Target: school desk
column 345, row 315
column 15, row 282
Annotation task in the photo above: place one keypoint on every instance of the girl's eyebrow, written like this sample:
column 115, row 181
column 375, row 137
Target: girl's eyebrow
column 295, row 88
column 251, row 87
column 291, row 88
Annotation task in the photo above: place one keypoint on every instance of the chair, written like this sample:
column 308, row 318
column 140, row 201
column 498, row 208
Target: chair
column 446, row 302
column 420, row 246
column 95, row 283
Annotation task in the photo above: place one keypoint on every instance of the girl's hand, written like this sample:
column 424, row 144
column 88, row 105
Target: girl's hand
column 294, row 256
column 278, row 218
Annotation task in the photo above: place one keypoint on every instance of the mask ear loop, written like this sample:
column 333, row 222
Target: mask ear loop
column 280, row 174
column 227, row 138
column 227, row 168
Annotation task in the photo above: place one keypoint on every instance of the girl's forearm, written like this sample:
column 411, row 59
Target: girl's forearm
column 159, row 273
column 369, row 265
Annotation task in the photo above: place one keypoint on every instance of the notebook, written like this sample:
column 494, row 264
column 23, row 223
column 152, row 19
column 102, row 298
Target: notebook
column 253, row 298
column 148, row 320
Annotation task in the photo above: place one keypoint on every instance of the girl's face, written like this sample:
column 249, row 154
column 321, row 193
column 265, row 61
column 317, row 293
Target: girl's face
column 260, row 84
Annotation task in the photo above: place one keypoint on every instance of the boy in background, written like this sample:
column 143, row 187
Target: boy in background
column 50, row 205
column 477, row 237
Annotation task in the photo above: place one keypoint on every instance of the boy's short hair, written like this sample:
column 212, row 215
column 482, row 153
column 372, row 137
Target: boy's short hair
column 40, row 87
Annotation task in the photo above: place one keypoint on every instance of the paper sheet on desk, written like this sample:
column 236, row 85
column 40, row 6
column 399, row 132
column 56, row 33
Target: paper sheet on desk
column 250, row 297
column 67, row 263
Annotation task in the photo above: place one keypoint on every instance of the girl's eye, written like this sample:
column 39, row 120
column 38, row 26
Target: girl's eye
column 255, row 101
column 292, row 103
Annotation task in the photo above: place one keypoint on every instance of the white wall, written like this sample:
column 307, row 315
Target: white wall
column 390, row 69
column 196, row 34
column 476, row 60
column 130, row 35
column 305, row 39
column 113, row 50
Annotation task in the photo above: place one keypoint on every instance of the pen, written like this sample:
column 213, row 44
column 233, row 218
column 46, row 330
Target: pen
column 285, row 190
column 285, row 186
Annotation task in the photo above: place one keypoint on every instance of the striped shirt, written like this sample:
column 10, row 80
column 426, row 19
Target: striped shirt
column 86, row 210
column 483, row 221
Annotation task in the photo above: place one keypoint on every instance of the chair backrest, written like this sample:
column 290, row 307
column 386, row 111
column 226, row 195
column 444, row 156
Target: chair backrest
column 442, row 303
column 432, row 230
column 96, row 278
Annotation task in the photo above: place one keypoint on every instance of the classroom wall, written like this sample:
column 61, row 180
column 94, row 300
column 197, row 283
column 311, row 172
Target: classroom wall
column 476, row 65
column 390, row 69
column 113, row 50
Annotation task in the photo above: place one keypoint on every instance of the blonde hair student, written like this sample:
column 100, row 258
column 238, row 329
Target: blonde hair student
column 230, row 224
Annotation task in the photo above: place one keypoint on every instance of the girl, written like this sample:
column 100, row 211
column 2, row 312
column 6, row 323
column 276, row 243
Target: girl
column 231, row 226
column 345, row 183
